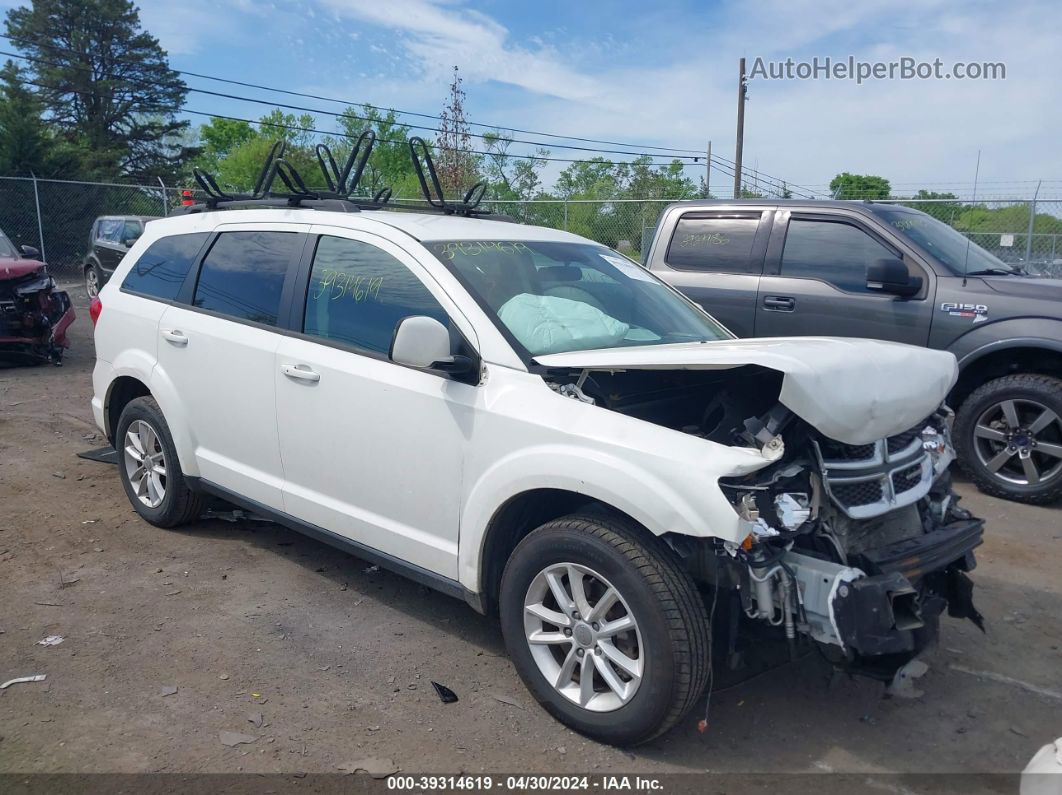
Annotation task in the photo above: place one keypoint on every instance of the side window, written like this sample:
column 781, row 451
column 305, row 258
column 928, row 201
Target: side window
column 108, row 229
column 160, row 271
column 358, row 293
column 131, row 230
column 720, row 243
column 835, row 252
column 243, row 274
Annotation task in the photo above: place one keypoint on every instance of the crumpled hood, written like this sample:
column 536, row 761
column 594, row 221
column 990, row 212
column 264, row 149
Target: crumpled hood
column 11, row 268
column 853, row 390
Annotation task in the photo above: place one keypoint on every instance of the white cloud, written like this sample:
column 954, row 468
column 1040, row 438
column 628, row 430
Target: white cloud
column 664, row 79
column 440, row 35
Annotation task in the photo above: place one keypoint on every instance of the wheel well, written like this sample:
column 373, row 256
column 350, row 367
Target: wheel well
column 518, row 517
column 124, row 389
column 1004, row 362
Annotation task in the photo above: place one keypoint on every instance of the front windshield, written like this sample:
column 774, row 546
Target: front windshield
column 554, row 297
column 945, row 244
column 7, row 249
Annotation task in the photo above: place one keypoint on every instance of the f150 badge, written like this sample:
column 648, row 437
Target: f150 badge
column 977, row 312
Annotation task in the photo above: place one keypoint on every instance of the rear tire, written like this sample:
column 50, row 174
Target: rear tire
column 1008, row 434
column 93, row 280
column 666, row 650
column 148, row 467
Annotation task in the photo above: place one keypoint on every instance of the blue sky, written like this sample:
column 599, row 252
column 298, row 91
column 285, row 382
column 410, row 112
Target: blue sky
column 663, row 73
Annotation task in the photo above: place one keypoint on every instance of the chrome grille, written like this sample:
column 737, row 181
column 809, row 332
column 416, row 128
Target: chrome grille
column 867, row 480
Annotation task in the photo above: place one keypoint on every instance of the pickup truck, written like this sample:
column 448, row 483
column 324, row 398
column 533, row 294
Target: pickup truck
column 782, row 268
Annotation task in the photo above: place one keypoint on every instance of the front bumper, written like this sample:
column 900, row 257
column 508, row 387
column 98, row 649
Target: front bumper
column 895, row 609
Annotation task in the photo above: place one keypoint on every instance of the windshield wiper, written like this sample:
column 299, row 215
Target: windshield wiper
column 1014, row 271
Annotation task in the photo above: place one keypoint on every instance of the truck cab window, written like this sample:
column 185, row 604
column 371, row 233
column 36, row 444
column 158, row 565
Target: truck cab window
column 832, row 251
column 714, row 243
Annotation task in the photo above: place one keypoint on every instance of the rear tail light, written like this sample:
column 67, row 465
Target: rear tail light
column 95, row 308
column 186, row 198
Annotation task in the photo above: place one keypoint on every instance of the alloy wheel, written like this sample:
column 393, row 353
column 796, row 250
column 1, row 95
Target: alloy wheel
column 145, row 463
column 1019, row 442
column 583, row 637
column 92, row 282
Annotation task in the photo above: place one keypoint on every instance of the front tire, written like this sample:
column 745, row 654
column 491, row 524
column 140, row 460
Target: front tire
column 1008, row 434
column 607, row 631
column 149, row 469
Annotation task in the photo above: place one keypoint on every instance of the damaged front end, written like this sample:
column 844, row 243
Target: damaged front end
column 861, row 547
column 34, row 316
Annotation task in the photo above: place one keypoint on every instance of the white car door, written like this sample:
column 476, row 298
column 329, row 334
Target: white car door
column 219, row 354
column 372, row 450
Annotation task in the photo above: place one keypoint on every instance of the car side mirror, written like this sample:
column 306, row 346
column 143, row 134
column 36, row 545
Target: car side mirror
column 29, row 251
column 128, row 242
column 424, row 342
column 890, row 275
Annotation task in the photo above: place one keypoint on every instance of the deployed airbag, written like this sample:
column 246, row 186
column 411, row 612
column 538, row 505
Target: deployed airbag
column 548, row 324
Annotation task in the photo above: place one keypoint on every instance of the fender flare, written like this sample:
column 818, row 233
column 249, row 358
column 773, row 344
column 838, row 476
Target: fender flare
column 134, row 363
column 644, row 496
column 980, row 352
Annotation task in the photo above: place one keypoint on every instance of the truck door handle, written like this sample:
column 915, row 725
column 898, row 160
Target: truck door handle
column 176, row 336
column 300, row 372
column 779, row 303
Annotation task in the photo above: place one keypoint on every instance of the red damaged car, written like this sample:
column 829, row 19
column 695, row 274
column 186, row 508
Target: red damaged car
column 34, row 313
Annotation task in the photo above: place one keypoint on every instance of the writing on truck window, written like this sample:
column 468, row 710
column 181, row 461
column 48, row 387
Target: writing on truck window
column 704, row 239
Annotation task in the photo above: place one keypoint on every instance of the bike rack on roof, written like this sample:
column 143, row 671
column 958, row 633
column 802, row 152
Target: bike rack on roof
column 438, row 200
column 341, row 185
column 261, row 186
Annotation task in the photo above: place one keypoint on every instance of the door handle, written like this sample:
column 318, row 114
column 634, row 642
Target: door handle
column 176, row 336
column 779, row 303
column 300, row 372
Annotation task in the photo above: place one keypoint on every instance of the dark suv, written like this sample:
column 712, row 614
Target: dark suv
column 110, row 238
column 864, row 269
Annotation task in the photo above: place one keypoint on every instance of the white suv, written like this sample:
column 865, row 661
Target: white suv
column 529, row 421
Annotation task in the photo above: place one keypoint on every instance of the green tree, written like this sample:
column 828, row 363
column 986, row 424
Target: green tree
column 859, row 186
column 945, row 207
column 108, row 86
column 389, row 164
column 27, row 146
column 238, row 168
column 511, row 177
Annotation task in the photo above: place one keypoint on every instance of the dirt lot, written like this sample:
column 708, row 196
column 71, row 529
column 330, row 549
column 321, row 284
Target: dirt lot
column 323, row 662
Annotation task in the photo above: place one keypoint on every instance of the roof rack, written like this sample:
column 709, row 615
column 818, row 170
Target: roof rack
column 341, row 185
column 438, row 201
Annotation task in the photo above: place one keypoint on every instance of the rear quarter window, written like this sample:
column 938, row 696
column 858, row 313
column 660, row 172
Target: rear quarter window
column 161, row 270
column 714, row 243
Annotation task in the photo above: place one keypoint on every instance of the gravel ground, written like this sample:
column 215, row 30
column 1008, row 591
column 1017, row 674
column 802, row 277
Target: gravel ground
column 320, row 661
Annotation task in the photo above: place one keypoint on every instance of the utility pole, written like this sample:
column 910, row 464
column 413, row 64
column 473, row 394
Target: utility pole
column 708, row 173
column 742, row 92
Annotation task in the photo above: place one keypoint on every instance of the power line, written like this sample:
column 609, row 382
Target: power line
column 260, row 87
column 397, row 141
column 334, row 114
column 773, row 182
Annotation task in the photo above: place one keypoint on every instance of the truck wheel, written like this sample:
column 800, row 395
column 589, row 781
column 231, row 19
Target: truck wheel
column 92, row 280
column 1008, row 434
column 149, row 469
column 607, row 631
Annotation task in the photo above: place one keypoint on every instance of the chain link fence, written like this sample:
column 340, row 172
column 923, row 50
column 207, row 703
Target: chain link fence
column 56, row 218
